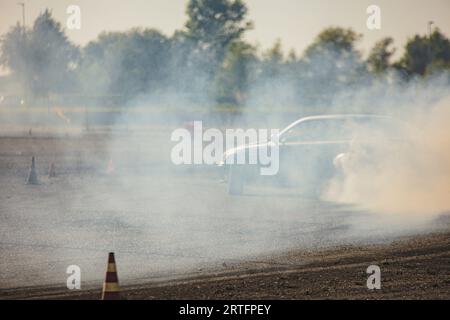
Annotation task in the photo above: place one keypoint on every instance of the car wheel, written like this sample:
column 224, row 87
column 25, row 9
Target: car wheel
column 235, row 181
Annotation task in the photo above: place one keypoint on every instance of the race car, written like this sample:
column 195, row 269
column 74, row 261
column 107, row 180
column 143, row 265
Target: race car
column 311, row 150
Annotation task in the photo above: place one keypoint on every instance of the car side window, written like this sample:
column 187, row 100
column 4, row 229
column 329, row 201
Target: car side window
column 303, row 132
column 317, row 130
column 294, row 134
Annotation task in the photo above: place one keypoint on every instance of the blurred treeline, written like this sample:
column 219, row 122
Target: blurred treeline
column 207, row 62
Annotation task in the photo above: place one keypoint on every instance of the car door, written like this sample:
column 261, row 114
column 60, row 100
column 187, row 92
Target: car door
column 307, row 151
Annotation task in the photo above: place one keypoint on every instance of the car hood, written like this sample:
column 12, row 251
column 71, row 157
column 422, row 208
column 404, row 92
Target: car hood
column 243, row 148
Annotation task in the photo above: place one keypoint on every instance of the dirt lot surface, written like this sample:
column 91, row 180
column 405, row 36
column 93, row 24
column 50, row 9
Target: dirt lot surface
column 177, row 234
column 417, row 268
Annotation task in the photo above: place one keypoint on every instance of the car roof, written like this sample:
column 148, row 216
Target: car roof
column 335, row 116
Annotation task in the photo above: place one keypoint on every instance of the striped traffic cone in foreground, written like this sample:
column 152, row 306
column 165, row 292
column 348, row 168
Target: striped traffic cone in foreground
column 111, row 285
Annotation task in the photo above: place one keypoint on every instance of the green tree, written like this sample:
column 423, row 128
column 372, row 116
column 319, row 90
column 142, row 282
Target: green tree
column 214, row 24
column 237, row 70
column 189, row 76
column 53, row 57
column 416, row 56
column 144, row 63
column 379, row 59
column 126, row 64
column 335, row 39
column 13, row 54
column 331, row 64
column 424, row 55
column 100, row 64
column 273, row 61
column 42, row 58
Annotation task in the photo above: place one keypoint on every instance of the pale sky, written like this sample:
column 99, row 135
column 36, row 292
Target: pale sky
column 295, row 22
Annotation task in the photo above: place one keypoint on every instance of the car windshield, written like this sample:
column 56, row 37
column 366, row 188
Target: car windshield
column 337, row 129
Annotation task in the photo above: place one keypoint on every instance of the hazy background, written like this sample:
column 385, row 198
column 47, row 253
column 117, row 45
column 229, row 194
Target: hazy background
column 295, row 22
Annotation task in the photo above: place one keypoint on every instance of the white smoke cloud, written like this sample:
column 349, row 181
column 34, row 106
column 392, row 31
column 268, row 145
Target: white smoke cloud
column 410, row 178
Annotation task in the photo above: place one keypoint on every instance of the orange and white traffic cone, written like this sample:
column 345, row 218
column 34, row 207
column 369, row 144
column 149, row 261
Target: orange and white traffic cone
column 111, row 289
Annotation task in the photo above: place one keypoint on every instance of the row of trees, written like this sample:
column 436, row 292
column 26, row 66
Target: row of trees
column 206, row 60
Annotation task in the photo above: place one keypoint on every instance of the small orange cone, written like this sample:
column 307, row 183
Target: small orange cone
column 110, row 167
column 51, row 171
column 32, row 175
column 111, row 289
